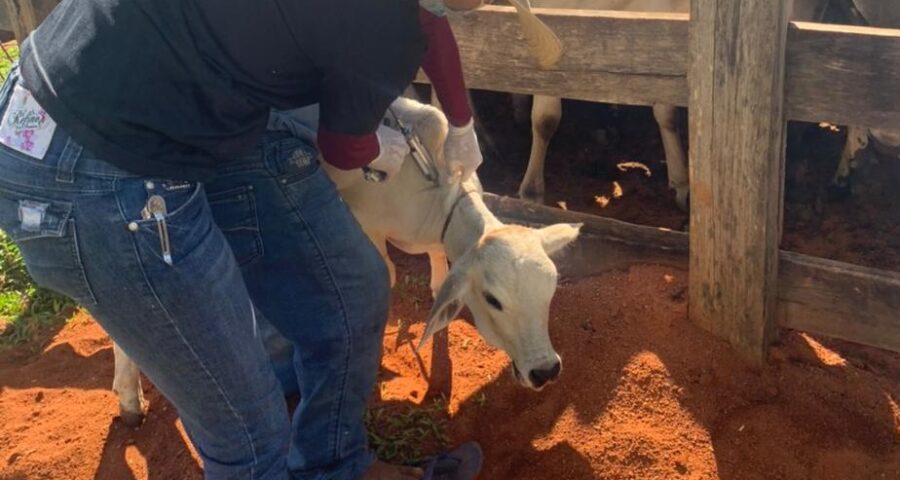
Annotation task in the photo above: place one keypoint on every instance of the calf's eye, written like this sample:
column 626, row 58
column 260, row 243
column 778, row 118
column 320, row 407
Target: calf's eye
column 493, row 302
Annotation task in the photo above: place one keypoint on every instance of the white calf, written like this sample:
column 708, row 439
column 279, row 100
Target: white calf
column 503, row 273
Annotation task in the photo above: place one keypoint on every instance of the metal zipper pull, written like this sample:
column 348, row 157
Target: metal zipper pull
column 156, row 208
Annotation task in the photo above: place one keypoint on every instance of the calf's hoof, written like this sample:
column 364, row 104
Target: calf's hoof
column 131, row 419
column 532, row 194
column 839, row 189
column 683, row 199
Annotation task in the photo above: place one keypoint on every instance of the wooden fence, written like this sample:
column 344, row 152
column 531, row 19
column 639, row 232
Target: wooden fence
column 743, row 70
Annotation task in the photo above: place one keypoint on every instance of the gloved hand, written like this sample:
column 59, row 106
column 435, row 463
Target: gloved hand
column 461, row 151
column 394, row 150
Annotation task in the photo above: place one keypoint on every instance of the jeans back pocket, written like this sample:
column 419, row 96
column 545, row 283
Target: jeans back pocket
column 234, row 212
column 46, row 234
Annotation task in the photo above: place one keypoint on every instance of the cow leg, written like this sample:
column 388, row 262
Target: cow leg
column 676, row 159
column 545, row 115
column 439, row 269
column 127, row 385
column 857, row 140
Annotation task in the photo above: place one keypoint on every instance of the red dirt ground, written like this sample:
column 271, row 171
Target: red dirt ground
column 644, row 394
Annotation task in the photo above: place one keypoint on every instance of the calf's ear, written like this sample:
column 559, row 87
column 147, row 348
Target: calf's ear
column 449, row 299
column 555, row 237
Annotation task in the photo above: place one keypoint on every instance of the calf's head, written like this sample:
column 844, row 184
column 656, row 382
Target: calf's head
column 508, row 280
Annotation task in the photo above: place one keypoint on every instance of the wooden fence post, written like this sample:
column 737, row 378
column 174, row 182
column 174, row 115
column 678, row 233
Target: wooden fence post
column 737, row 130
column 23, row 16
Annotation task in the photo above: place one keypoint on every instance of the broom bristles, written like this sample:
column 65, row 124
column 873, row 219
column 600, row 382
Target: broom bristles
column 543, row 43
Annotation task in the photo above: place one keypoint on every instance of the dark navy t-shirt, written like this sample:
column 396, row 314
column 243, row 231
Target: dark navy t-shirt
column 169, row 88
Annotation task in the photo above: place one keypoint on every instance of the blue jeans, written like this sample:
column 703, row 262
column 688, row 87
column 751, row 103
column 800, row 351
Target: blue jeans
column 267, row 240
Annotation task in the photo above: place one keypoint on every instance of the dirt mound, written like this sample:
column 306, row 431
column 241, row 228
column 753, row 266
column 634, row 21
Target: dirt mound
column 644, row 395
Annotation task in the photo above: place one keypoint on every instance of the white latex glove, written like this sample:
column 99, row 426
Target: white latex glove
column 461, row 151
column 394, row 150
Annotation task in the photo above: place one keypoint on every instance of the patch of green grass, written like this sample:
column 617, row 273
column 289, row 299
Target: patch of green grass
column 5, row 62
column 410, row 287
column 25, row 308
column 404, row 435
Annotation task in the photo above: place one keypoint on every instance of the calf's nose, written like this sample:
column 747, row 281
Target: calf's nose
column 540, row 376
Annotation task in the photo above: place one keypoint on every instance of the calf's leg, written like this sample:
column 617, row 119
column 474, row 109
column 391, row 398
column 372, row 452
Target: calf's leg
column 439, row 269
column 676, row 159
column 857, row 140
column 127, row 385
column 545, row 116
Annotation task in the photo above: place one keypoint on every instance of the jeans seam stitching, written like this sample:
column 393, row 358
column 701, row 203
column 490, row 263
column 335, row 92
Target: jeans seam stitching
column 254, row 217
column 76, row 252
column 345, row 321
column 184, row 341
column 257, row 237
column 48, row 188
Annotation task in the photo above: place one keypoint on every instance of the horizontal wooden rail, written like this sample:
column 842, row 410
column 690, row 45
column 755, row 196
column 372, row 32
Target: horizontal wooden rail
column 617, row 57
column 837, row 73
column 815, row 295
column 843, row 74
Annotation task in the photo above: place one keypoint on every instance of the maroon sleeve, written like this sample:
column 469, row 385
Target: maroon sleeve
column 347, row 152
column 444, row 68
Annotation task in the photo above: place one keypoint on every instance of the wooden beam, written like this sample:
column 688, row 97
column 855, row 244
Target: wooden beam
column 23, row 16
column 619, row 57
column 737, row 130
column 815, row 295
column 837, row 73
column 6, row 23
column 843, row 74
column 606, row 244
column 839, row 300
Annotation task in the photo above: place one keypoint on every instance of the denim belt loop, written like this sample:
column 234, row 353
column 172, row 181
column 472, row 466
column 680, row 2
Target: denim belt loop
column 65, row 170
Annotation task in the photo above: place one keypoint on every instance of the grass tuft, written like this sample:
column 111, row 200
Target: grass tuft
column 25, row 309
column 403, row 435
column 7, row 59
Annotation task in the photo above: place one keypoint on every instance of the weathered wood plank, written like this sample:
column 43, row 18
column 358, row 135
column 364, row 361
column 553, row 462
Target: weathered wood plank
column 6, row 23
column 23, row 16
column 620, row 57
column 815, row 295
column 606, row 228
column 737, row 135
column 839, row 300
column 841, row 74
column 605, row 243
